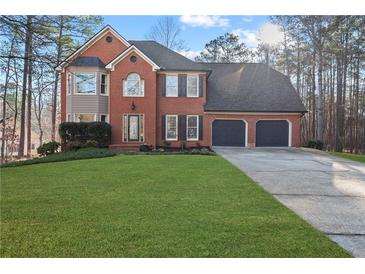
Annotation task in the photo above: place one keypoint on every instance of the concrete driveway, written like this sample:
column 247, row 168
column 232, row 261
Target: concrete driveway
column 326, row 191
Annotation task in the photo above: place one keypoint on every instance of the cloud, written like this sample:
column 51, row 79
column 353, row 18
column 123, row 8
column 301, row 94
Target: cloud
column 271, row 34
column 191, row 54
column 205, row 21
column 249, row 37
column 247, row 19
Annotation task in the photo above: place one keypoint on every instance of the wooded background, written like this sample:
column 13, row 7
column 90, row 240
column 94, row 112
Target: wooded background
column 324, row 56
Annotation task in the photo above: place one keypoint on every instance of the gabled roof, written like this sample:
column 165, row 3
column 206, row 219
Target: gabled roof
column 86, row 61
column 166, row 58
column 90, row 42
column 121, row 56
column 250, row 88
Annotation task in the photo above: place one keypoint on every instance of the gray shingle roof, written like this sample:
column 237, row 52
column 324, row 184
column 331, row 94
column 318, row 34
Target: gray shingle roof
column 250, row 88
column 166, row 58
column 85, row 61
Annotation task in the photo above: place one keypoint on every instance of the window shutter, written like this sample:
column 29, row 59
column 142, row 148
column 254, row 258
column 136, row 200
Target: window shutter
column 163, row 126
column 201, row 82
column 182, row 85
column 200, row 127
column 163, row 84
column 182, row 127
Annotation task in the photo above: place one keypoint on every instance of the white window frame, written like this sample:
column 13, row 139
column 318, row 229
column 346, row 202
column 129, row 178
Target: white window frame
column 106, row 117
column 197, row 128
column 75, row 116
column 141, row 84
column 197, row 85
column 80, row 93
column 177, row 127
column 177, row 85
column 106, row 84
column 69, row 76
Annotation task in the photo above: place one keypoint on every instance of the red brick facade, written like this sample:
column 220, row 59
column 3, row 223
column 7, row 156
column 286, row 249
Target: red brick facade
column 154, row 105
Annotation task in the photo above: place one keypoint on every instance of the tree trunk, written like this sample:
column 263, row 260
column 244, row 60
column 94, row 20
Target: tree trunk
column 320, row 98
column 29, row 106
column 24, row 89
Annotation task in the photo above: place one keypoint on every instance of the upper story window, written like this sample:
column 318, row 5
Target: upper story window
column 69, row 83
column 171, row 86
column 103, row 84
column 133, row 86
column 85, row 83
column 192, row 86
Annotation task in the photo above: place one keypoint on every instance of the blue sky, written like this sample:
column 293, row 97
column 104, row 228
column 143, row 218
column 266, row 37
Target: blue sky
column 196, row 30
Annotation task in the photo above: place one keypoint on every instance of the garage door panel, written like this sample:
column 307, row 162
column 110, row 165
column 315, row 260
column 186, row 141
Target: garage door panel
column 228, row 133
column 272, row 133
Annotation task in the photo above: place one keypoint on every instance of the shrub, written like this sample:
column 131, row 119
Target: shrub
column 145, row 148
column 84, row 153
column 315, row 144
column 48, row 148
column 79, row 135
column 166, row 145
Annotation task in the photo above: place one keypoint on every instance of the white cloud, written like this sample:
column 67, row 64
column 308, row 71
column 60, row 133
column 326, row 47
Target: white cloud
column 249, row 37
column 247, row 19
column 205, row 21
column 271, row 34
column 191, row 54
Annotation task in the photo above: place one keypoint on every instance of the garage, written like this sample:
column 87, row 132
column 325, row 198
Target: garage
column 272, row 133
column 229, row 133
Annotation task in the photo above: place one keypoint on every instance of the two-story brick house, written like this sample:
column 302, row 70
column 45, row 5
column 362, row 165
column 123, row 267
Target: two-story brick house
column 151, row 94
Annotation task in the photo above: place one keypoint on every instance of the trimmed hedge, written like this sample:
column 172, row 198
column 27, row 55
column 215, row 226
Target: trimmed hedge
column 48, row 148
column 85, row 153
column 84, row 134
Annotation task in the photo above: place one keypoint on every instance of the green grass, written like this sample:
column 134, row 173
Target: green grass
column 355, row 157
column 148, row 206
column 84, row 153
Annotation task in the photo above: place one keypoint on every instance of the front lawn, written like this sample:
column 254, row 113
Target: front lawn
column 355, row 157
column 148, row 206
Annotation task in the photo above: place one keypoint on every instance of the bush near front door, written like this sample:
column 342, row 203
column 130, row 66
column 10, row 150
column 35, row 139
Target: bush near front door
column 83, row 134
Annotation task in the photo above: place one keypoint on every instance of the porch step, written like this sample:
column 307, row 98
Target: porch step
column 124, row 147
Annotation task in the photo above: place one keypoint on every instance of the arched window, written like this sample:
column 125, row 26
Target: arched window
column 133, row 86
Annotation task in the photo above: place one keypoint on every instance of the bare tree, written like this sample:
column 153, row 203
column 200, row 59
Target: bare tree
column 167, row 32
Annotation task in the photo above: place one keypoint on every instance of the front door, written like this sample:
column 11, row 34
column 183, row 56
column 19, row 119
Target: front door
column 133, row 127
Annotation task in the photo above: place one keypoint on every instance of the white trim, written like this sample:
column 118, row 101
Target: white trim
column 177, row 127
column 106, row 118
column 83, row 113
column 96, row 83
column 121, row 56
column 252, row 113
column 278, row 119
column 89, row 43
column 235, row 119
column 177, row 85
column 197, row 128
column 197, row 85
column 106, row 84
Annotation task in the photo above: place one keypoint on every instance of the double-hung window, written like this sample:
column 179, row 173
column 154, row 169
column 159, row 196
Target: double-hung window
column 171, row 127
column 192, row 127
column 171, row 86
column 85, row 83
column 103, row 84
column 85, row 117
column 69, row 83
column 192, row 86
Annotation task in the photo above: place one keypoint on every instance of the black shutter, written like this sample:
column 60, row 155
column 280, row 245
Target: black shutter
column 163, row 84
column 200, row 127
column 182, row 85
column 182, row 127
column 201, row 80
column 163, row 126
